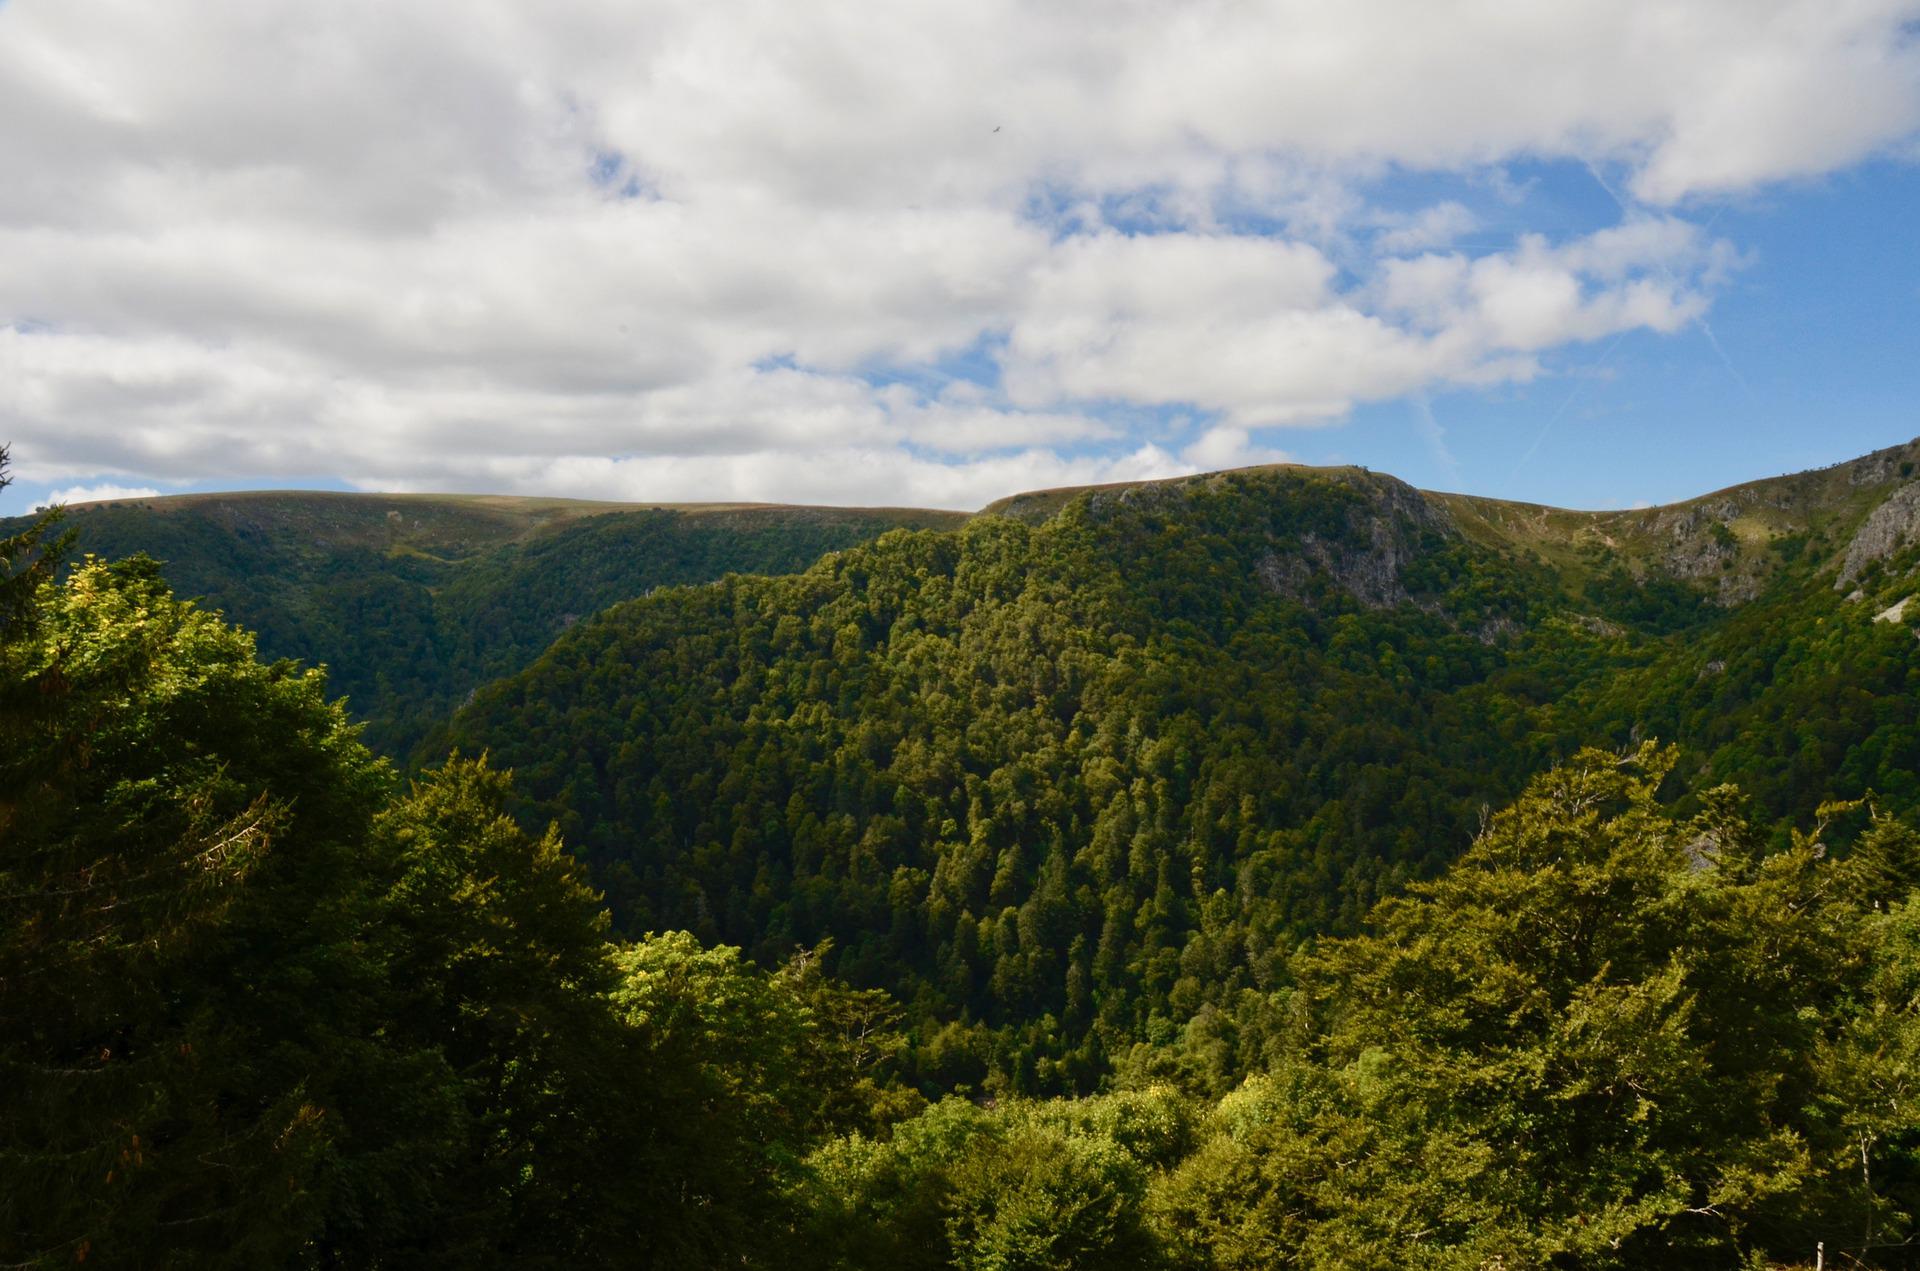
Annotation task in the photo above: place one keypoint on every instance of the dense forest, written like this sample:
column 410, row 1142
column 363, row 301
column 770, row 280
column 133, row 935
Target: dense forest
column 1271, row 869
column 1075, row 786
column 413, row 602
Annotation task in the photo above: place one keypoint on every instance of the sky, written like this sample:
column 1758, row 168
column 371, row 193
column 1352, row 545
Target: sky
column 928, row 253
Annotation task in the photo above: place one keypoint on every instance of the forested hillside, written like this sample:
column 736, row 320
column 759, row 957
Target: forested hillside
column 1207, row 875
column 413, row 601
column 1075, row 780
column 260, row 1006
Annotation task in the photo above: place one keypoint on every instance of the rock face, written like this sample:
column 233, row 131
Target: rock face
column 1890, row 527
column 1498, row 629
column 1593, row 624
column 1880, row 466
column 1701, row 546
column 1383, row 536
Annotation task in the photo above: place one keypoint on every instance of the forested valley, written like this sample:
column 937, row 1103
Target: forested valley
column 414, row 602
column 1276, row 868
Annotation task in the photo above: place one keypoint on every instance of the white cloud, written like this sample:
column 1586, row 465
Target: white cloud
column 1650, row 272
column 1225, row 447
column 835, row 475
column 1256, row 329
column 101, row 493
column 1435, row 226
column 614, row 246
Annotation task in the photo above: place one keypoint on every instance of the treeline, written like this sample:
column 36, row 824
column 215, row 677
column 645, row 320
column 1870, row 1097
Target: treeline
column 261, row 1006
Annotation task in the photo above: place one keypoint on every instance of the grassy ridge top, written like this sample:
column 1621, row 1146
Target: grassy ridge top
column 1756, row 513
column 415, row 600
column 453, row 525
column 1731, row 540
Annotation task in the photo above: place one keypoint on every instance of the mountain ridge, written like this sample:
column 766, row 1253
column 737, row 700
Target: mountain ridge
column 1124, row 743
column 1745, row 501
column 415, row 601
column 1874, row 468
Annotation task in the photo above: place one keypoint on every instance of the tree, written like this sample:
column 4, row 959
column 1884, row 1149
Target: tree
column 176, row 918
column 495, row 959
column 27, row 557
column 1598, row 1040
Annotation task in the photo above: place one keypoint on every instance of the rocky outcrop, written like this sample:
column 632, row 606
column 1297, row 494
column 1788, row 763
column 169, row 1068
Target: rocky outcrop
column 1497, row 630
column 1593, row 624
column 1880, row 466
column 1697, row 543
column 1384, row 534
column 1891, row 526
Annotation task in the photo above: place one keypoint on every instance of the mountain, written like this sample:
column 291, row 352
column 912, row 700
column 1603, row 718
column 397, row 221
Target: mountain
column 1085, row 767
column 1082, row 772
column 412, row 601
column 1173, row 797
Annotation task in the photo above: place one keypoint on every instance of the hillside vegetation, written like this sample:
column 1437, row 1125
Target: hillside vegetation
column 1075, row 780
column 265, row 1007
column 413, row 601
column 1273, row 868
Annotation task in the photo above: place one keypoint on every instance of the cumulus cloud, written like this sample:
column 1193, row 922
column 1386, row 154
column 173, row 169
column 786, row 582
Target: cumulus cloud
column 101, row 493
column 854, row 476
column 930, row 252
column 1435, row 226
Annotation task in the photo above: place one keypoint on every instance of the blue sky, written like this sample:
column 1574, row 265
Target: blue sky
column 1818, row 360
column 1593, row 255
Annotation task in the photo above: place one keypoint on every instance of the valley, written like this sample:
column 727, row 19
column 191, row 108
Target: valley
column 1103, row 865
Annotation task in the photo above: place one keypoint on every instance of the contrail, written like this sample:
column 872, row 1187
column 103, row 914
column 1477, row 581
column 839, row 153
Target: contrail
column 1555, row 417
column 1674, row 282
column 1435, row 436
column 1727, row 362
column 1705, row 329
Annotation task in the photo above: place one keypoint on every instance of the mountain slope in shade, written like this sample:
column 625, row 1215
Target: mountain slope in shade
column 413, row 601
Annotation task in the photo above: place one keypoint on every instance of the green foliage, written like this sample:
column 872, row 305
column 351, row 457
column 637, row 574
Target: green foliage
column 883, row 1202
column 1027, row 1186
column 411, row 604
column 27, row 555
column 758, row 1069
column 1043, row 1200
column 732, row 1042
column 179, row 983
column 1072, row 791
column 1624, row 1040
column 1073, row 782
column 496, row 965
column 1612, row 1035
column 851, row 1044
column 1607, row 1037
column 256, row 1009
column 1179, row 795
column 1658, row 604
column 1796, row 697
